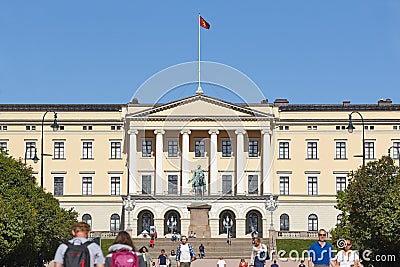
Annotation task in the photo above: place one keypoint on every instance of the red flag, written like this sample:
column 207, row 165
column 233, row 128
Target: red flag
column 204, row 23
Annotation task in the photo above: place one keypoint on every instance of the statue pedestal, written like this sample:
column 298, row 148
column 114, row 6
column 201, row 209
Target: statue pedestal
column 199, row 222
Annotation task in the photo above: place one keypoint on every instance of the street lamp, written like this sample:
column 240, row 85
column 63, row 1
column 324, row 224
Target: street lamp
column 398, row 152
column 271, row 204
column 228, row 224
column 350, row 128
column 35, row 157
column 172, row 223
column 55, row 127
column 129, row 204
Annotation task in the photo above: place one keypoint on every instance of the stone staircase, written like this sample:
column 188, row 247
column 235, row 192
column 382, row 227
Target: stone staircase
column 214, row 247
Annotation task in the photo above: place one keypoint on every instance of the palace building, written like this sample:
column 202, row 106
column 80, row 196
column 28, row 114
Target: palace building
column 103, row 152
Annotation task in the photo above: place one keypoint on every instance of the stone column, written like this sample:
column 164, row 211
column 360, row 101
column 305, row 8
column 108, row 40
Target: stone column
column 132, row 179
column 159, row 161
column 213, row 188
column 266, row 161
column 185, row 161
column 240, row 177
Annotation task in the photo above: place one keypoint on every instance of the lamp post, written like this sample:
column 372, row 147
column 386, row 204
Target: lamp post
column 271, row 204
column 228, row 224
column 172, row 224
column 55, row 127
column 350, row 128
column 35, row 157
column 129, row 204
column 398, row 152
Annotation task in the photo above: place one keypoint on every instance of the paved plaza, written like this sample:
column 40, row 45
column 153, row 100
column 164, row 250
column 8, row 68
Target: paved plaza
column 235, row 263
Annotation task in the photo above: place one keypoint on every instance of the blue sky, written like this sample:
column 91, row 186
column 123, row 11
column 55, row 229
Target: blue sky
column 308, row 51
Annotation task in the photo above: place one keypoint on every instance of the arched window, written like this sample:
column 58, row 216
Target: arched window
column 87, row 218
column 227, row 218
column 312, row 222
column 339, row 219
column 172, row 222
column 145, row 220
column 115, row 222
column 284, row 222
column 254, row 222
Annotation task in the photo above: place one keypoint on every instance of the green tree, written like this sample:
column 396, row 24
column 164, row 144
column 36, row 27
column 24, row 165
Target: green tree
column 32, row 223
column 370, row 209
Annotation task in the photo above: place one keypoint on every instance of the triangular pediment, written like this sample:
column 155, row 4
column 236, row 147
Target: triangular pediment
column 200, row 106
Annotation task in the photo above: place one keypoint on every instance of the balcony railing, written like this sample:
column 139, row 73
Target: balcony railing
column 299, row 235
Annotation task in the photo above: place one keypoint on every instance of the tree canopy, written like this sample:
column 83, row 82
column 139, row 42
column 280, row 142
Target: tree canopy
column 370, row 209
column 32, row 223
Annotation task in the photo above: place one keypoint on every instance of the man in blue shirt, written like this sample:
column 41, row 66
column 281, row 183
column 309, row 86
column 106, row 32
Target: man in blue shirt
column 321, row 252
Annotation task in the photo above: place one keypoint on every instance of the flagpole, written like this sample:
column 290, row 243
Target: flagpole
column 199, row 90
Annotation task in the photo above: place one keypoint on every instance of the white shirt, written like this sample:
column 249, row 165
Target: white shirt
column 185, row 253
column 347, row 259
column 221, row 263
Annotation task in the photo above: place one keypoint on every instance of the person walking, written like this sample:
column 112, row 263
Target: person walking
column 122, row 251
column 321, row 253
column 242, row 263
column 221, row 262
column 201, row 250
column 259, row 253
column 162, row 259
column 185, row 253
column 146, row 256
column 347, row 257
column 274, row 264
column 80, row 231
column 172, row 259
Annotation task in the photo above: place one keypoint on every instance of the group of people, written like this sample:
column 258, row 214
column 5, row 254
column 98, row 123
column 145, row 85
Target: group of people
column 79, row 251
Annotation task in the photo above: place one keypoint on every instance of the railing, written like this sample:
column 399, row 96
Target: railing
column 298, row 234
column 104, row 234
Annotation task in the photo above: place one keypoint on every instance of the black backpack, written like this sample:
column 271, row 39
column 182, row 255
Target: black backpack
column 77, row 255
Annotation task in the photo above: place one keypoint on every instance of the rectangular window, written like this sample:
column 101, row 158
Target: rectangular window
column 59, row 150
column 116, row 150
column 369, row 150
column 172, row 184
column 253, row 148
column 4, row 127
column 312, row 186
column 87, row 127
column 58, row 186
column 340, row 183
column 253, row 184
column 87, row 150
column 86, row 186
column 199, row 148
column 284, row 185
column 173, row 148
column 147, row 148
column 226, row 184
column 146, row 184
column 312, row 150
column 283, row 150
column 30, row 149
column 226, row 148
column 115, row 186
column 340, row 152
column 395, row 149
column 3, row 145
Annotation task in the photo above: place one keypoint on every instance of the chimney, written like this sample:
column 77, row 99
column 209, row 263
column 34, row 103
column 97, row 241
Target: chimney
column 281, row 102
column 264, row 101
column 386, row 102
column 346, row 103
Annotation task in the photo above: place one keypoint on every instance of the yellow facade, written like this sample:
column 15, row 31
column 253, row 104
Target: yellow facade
column 248, row 151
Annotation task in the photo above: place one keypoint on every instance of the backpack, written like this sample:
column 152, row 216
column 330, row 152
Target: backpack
column 77, row 255
column 124, row 258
